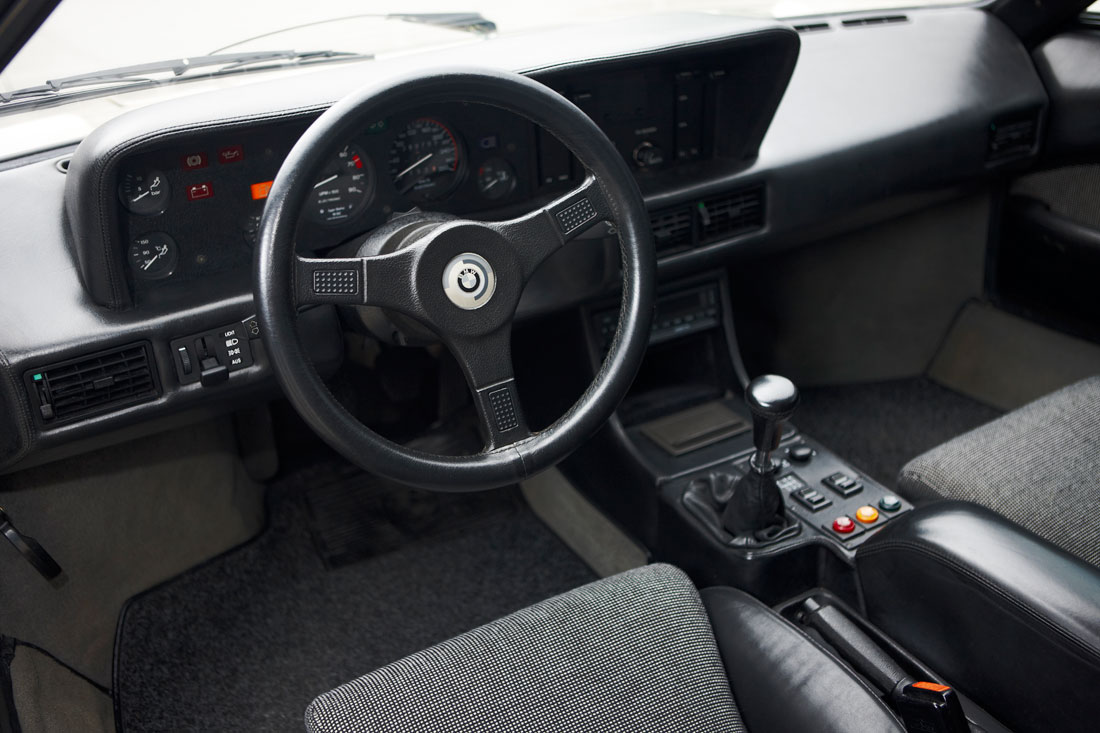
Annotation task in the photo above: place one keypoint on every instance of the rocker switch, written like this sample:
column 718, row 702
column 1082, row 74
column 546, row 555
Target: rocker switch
column 211, row 372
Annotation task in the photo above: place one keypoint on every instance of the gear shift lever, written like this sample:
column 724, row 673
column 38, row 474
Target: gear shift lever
column 772, row 400
column 757, row 502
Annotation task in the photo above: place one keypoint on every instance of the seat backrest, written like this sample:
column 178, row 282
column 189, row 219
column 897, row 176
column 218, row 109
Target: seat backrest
column 630, row 653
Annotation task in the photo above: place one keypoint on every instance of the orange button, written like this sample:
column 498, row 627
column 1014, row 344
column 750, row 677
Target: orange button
column 866, row 514
column 931, row 686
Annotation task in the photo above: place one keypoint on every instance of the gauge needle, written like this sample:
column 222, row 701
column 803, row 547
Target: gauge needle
column 333, row 177
column 408, row 170
column 149, row 263
column 492, row 183
column 139, row 198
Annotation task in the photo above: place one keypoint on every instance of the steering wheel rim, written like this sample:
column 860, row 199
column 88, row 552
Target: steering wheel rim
column 284, row 281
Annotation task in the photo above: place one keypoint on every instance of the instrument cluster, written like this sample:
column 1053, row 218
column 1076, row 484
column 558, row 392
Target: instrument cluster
column 193, row 209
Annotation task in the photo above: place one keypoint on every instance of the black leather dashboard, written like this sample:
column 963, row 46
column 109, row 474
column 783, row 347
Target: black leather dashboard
column 851, row 141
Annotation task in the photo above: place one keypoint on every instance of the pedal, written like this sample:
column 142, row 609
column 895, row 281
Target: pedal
column 32, row 552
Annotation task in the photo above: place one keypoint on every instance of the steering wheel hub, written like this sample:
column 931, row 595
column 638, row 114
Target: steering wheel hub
column 469, row 281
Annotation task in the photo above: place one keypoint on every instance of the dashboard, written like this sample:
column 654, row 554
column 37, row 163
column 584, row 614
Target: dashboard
column 145, row 244
column 189, row 211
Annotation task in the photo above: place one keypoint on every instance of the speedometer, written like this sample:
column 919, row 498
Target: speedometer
column 344, row 189
column 425, row 160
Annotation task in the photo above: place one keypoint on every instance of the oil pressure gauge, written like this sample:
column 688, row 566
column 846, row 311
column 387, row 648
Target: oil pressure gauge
column 145, row 193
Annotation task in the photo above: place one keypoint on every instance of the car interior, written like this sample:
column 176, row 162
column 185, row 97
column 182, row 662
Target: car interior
column 678, row 372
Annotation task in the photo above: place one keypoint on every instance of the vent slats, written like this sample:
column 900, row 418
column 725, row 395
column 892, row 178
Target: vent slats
column 672, row 230
column 94, row 383
column 728, row 216
column 1013, row 135
column 874, row 20
column 722, row 217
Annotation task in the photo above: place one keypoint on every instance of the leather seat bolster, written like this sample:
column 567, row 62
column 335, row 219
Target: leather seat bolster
column 1011, row 619
column 782, row 680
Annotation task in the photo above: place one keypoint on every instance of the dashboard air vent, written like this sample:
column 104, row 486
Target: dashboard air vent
column 874, row 20
column 736, row 213
column 92, row 384
column 811, row 27
column 1013, row 135
column 672, row 230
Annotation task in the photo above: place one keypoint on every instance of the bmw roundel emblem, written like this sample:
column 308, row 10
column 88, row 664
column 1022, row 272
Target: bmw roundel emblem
column 469, row 281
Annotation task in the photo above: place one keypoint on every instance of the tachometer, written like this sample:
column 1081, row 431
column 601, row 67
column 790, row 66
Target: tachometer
column 425, row 160
column 345, row 188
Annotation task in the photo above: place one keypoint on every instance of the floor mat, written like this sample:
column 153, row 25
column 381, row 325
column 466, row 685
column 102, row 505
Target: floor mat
column 357, row 515
column 247, row 641
column 879, row 427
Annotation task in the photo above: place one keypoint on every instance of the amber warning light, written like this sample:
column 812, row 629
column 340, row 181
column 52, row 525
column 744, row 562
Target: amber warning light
column 260, row 190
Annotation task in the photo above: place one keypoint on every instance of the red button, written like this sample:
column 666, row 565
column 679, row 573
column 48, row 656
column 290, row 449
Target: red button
column 844, row 525
column 232, row 154
column 194, row 161
column 200, row 191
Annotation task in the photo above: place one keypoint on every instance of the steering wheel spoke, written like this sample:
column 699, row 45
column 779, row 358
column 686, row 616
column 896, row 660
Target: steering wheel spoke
column 382, row 281
column 542, row 232
column 487, row 363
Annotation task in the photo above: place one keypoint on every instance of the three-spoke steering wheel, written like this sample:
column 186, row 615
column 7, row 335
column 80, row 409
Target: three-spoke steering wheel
column 462, row 279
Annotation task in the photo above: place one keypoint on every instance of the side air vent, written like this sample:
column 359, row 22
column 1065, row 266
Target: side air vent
column 1012, row 135
column 672, row 230
column 811, row 27
column 874, row 20
column 92, row 384
column 727, row 216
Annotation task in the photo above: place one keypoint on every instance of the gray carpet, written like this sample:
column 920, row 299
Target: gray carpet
column 879, row 427
column 245, row 642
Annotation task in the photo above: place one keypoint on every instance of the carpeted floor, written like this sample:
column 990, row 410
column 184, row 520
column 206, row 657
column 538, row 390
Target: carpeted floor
column 879, row 427
column 245, row 642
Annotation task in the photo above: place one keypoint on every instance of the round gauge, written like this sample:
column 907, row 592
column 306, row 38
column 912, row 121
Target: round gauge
column 495, row 179
column 344, row 189
column 425, row 160
column 144, row 193
column 153, row 256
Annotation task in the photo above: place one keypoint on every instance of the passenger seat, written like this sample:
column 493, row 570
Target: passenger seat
column 1038, row 465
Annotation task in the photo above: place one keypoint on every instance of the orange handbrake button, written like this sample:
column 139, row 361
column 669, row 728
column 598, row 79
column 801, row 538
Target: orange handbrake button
column 931, row 686
column 866, row 514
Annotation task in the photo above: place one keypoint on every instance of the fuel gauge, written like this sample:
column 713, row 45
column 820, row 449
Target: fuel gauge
column 144, row 193
column 495, row 179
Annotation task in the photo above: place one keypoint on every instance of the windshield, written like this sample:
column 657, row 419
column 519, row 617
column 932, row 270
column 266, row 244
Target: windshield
column 143, row 31
column 53, row 78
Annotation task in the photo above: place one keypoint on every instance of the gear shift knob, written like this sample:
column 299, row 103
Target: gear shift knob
column 772, row 400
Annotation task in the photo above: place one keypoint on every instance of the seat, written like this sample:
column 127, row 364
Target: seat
column 640, row 651
column 1038, row 465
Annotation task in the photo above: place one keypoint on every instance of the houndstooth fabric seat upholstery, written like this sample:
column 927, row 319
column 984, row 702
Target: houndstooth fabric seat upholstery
column 639, row 652
column 631, row 653
column 1039, row 465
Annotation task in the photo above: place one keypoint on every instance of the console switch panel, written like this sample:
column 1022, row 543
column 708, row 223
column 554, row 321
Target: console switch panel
column 212, row 356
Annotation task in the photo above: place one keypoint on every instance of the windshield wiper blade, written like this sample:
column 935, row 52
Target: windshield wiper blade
column 145, row 74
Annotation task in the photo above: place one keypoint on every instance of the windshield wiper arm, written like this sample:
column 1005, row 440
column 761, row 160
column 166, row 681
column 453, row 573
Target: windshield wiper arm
column 139, row 74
